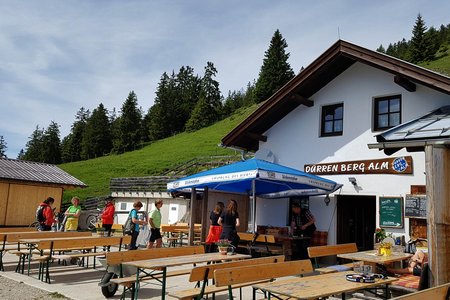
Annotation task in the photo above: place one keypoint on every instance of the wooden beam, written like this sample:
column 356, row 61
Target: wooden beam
column 405, row 83
column 205, row 224
column 192, row 219
column 256, row 136
column 301, row 100
column 437, row 168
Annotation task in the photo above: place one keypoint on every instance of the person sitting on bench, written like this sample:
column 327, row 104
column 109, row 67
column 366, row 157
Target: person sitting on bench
column 415, row 264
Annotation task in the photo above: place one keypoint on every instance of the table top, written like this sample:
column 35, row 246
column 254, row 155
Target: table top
column 312, row 287
column 68, row 238
column 371, row 256
column 182, row 260
column 282, row 237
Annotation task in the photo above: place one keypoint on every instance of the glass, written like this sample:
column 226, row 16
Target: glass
column 366, row 269
column 357, row 266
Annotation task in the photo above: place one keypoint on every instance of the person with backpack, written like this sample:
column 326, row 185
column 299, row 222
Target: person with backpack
column 45, row 215
column 72, row 214
column 137, row 222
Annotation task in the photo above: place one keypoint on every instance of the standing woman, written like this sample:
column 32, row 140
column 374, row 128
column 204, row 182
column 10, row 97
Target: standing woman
column 48, row 217
column 72, row 214
column 134, row 218
column 229, row 219
column 108, row 215
column 215, row 230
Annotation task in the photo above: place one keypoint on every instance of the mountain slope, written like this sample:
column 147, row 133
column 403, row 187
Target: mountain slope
column 154, row 159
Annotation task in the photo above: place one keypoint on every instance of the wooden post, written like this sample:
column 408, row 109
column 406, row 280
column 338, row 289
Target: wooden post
column 205, row 223
column 437, row 167
column 192, row 219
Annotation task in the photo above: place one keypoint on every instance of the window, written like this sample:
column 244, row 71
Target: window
column 332, row 120
column 123, row 206
column 387, row 112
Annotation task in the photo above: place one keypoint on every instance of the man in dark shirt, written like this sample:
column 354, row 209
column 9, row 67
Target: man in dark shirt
column 302, row 225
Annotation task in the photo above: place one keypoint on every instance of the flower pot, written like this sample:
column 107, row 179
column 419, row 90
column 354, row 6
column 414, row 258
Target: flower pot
column 386, row 251
column 223, row 250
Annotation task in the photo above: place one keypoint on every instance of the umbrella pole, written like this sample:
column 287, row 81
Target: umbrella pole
column 253, row 206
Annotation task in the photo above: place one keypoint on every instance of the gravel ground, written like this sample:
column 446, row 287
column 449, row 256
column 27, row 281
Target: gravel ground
column 13, row 290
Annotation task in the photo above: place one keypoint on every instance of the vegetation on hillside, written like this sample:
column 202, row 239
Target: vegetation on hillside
column 154, row 159
column 425, row 45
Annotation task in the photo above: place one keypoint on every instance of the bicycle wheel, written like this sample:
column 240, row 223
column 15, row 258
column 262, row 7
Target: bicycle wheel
column 91, row 222
column 35, row 224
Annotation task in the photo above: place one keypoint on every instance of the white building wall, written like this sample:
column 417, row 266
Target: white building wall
column 295, row 140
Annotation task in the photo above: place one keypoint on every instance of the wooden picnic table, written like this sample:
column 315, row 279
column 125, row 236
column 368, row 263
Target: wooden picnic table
column 163, row 263
column 65, row 244
column 318, row 286
column 370, row 257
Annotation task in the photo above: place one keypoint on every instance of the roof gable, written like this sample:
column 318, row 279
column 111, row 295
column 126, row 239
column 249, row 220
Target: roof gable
column 28, row 171
column 338, row 58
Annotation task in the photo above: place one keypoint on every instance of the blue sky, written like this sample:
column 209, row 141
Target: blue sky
column 58, row 56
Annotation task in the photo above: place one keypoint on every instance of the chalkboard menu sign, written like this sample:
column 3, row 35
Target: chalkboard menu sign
column 416, row 206
column 391, row 212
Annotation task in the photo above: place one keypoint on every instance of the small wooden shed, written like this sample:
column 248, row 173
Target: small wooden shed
column 25, row 184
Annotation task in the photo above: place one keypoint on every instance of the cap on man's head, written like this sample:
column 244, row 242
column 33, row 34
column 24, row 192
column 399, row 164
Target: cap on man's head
column 109, row 198
column 296, row 205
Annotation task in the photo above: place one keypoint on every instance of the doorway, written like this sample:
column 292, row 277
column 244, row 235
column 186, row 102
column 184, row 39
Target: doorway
column 356, row 217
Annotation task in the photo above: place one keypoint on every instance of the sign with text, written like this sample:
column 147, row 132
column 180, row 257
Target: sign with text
column 391, row 212
column 416, row 206
column 393, row 165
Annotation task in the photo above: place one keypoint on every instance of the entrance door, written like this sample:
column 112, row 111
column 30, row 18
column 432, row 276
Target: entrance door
column 356, row 220
column 173, row 213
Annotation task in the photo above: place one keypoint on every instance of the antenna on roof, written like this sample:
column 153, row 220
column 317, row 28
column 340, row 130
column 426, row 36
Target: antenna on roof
column 339, row 33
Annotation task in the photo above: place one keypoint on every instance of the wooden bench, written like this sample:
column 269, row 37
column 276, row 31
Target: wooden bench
column 409, row 283
column 259, row 244
column 204, row 273
column 10, row 241
column 440, row 292
column 73, row 243
column 17, row 229
column 331, row 250
column 232, row 277
column 129, row 282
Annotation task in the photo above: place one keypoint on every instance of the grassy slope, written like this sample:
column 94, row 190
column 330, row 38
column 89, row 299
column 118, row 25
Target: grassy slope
column 170, row 152
column 441, row 65
column 153, row 159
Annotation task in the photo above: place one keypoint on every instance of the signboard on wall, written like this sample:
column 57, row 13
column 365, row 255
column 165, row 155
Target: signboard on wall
column 392, row 165
column 416, row 206
column 391, row 212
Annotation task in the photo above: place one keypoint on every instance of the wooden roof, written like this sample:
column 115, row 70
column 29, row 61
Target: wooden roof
column 338, row 58
column 28, row 171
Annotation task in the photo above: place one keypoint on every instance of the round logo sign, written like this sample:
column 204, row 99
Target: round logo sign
column 400, row 164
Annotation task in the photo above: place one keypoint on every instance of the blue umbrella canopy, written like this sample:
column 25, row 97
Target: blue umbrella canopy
column 270, row 180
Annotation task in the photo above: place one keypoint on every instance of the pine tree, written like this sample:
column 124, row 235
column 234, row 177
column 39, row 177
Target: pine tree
column 3, row 147
column 34, row 146
column 21, row 154
column 188, row 87
column 163, row 112
column 128, row 129
column 208, row 109
column 381, row 49
column 419, row 45
column 275, row 71
column 97, row 136
column 51, row 151
column 71, row 145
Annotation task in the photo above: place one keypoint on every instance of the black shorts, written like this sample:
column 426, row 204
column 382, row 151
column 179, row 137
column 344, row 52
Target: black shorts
column 155, row 234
